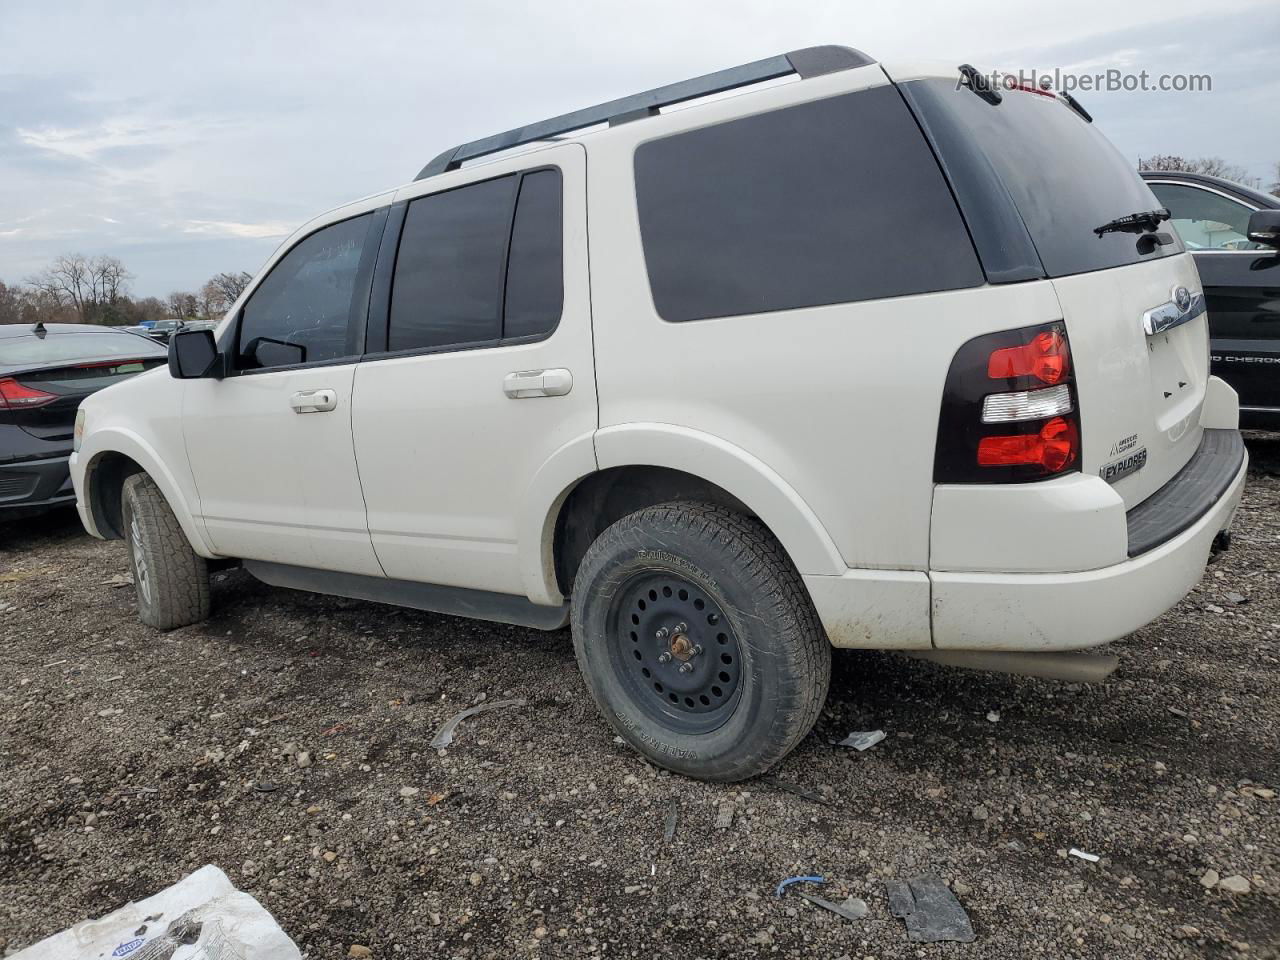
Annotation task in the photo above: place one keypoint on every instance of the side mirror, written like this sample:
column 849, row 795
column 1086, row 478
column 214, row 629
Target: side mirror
column 270, row 352
column 192, row 354
column 1264, row 227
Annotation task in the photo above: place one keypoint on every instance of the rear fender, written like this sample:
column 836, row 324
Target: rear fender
column 734, row 470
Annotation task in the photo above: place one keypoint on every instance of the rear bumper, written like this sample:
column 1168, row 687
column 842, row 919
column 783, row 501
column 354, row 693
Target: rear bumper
column 1065, row 567
column 1070, row 611
column 30, row 487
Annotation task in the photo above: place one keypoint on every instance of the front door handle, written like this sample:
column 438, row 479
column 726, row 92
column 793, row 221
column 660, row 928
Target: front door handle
column 537, row 383
column 314, row 401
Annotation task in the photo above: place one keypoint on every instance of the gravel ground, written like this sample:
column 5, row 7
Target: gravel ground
column 129, row 758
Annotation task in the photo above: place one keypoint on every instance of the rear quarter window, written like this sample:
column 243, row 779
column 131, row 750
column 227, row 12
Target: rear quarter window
column 834, row 201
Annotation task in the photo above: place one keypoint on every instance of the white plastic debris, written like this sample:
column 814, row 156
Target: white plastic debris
column 202, row 917
column 862, row 739
column 1091, row 857
column 444, row 736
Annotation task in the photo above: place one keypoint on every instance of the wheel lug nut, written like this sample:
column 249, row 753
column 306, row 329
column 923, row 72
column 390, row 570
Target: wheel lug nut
column 662, row 633
column 664, row 657
column 681, row 628
column 686, row 667
column 697, row 649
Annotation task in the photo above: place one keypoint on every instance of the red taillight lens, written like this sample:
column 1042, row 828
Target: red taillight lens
column 17, row 396
column 1054, row 448
column 1047, row 358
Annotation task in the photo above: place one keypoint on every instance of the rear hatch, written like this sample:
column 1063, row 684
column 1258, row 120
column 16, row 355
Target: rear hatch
column 43, row 379
column 1037, row 181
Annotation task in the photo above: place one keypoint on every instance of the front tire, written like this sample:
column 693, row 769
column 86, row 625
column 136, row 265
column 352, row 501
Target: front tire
column 172, row 580
column 698, row 641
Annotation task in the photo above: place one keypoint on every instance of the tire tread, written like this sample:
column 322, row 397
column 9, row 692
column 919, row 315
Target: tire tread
column 179, row 576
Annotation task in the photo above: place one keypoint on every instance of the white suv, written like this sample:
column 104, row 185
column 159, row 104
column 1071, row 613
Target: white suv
column 864, row 355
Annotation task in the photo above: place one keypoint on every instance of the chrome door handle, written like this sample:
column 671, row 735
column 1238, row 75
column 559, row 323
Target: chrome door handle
column 537, row 383
column 314, row 401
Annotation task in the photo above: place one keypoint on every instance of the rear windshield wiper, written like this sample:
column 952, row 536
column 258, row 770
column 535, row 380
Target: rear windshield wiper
column 1134, row 222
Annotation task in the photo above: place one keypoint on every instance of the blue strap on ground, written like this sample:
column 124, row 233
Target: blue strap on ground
column 790, row 880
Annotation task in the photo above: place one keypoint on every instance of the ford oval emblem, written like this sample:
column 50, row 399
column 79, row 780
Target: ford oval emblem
column 127, row 948
column 1182, row 297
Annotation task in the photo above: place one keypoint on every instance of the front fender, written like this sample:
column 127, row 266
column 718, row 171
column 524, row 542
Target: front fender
column 116, row 439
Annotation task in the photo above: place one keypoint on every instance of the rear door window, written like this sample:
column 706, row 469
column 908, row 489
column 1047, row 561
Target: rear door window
column 1063, row 176
column 833, row 201
column 447, row 287
column 479, row 264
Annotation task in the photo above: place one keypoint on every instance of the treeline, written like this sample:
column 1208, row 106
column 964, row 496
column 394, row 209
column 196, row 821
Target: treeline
column 79, row 289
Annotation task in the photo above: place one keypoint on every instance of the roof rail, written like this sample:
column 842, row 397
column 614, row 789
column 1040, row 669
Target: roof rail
column 809, row 62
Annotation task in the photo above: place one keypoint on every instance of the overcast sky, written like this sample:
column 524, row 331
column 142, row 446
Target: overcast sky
column 188, row 138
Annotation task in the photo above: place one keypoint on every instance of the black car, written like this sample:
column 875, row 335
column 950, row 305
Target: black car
column 1233, row 233
column 45, row 371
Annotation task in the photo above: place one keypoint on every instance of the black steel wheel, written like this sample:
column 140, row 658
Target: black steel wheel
column 677, row 652
column 698, row 640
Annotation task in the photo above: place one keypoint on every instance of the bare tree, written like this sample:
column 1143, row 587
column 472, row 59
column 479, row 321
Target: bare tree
column 1275, row 187
column 213, row 302
column 108, row 279
column 67, row 280
column 10, row 304
column 91, row 286
column 1213, row 166
column 183, row 305
column 230, row 285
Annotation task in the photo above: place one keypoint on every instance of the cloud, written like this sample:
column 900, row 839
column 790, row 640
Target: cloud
column 211, row 129
column 86, row 143
column 271, row 230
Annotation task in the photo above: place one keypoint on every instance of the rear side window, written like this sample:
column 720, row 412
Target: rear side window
column 304, row 311
column 834, row 201
column 535, row 271
column 479, row 264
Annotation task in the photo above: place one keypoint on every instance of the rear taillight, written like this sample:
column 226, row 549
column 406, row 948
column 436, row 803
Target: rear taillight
column 18, row 396
column 1046, row 358
column 1009, row 409
column 1053, row 447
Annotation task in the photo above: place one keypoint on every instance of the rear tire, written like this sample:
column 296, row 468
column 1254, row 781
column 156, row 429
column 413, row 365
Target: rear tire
column 739, row 676
column 172, row 580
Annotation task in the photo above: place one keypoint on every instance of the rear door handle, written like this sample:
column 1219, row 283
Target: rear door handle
column 555, row 382
column 314, row 401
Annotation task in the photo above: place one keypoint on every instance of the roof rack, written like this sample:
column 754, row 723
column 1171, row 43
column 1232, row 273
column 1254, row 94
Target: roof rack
column 809, row 62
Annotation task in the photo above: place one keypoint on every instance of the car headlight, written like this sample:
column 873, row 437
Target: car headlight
column 78, row 435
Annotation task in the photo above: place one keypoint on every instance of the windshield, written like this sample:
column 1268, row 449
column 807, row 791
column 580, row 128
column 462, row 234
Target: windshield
column 1064, row 177
column 59, row 348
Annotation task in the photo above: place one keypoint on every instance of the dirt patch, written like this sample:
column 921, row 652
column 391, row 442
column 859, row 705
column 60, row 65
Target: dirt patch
column 129, row 758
